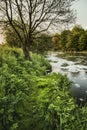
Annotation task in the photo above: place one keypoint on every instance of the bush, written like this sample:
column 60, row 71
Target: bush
column 15, row 86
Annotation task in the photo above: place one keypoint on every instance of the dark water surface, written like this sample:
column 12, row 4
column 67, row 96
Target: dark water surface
column 75, row 67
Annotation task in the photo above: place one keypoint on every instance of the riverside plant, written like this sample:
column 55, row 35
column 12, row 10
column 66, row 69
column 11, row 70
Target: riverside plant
column 31, row 100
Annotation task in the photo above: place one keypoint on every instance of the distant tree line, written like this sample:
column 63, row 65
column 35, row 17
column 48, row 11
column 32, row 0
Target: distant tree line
column 68, row 40
column 71, row 40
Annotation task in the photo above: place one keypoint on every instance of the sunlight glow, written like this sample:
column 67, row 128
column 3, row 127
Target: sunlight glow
column 2, row 40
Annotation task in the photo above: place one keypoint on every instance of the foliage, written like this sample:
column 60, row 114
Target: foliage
column 72, row 40
column 31, row 100
column 55, row 40
column 83, row 41
column 40, row 44
column 15, row 76
column 63, row 40
column 11, row 37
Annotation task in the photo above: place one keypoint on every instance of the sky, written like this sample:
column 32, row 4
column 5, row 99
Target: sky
column 1, row 38
column 81, row 8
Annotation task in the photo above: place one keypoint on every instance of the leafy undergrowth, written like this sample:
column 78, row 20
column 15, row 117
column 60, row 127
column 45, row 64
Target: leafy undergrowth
column 32, row 100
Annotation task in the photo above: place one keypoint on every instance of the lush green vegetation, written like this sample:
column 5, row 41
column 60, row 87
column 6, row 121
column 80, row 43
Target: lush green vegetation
column 32, row 100
column 40, row 44
column 68, row 40
column 71, row 40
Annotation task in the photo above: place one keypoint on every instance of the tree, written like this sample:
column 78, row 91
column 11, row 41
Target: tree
column 72, row 42
column 39, row 15
column 83, row 41
column 56, row 41
column 73, row 38
column 77, row 29
column 63, row 39
column 42, row 43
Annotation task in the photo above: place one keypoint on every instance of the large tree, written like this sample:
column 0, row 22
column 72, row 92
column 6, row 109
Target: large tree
column 34, row 16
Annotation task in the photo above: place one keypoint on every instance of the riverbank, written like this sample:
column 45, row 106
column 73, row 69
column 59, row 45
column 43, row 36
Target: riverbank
column 76, row 52
column 60, row 51
column 30, row 98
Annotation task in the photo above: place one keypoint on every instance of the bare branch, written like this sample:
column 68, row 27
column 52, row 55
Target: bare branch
column 34, row 16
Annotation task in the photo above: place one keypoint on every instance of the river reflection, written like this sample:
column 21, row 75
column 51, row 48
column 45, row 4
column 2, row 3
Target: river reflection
column 75, row 67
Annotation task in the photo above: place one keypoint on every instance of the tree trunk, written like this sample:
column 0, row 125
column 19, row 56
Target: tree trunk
column 26, row 46
column 26, row 52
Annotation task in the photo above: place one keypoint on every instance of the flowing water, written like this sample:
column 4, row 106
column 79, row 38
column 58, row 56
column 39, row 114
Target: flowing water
column 75, row 67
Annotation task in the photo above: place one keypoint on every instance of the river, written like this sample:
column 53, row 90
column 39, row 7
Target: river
column 75, row 67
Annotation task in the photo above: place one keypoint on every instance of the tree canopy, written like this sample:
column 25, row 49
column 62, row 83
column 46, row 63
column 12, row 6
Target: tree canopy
column 72, row 40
